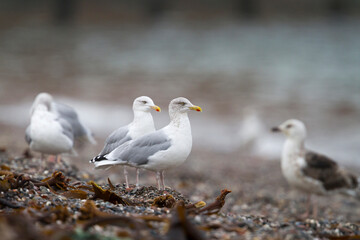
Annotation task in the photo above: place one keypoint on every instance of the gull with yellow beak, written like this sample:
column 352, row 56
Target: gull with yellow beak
column 161, row 150
column 141, row 125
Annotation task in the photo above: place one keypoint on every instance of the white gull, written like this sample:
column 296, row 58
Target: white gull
column 49, row 133
column 67, row 113
column 166, row 148
column 141, row 125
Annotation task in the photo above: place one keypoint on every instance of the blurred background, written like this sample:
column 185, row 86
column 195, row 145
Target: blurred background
column 250, row 64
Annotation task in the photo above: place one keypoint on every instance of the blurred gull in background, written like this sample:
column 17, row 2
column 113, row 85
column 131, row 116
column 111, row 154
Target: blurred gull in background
column 255, row 138
column 47, row 133
column 80, row 132
column 309, row 171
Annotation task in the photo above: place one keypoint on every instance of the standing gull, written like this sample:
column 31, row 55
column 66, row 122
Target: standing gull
column 142, row 124
column 158, row 151
column 48, row 133
column 309, row 171
column 65, row 112
column 254, row 137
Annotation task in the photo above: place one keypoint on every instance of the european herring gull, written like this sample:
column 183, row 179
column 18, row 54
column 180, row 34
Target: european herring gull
column 309, row 171
column 48, row 133
column 161, row 150
column 141, row 125
column 65, row 112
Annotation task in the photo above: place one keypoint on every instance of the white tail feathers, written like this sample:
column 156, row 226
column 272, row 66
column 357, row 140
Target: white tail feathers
column 107, row 163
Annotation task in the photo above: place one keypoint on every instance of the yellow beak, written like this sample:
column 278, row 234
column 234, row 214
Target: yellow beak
column 156, row 108
column 196, row 108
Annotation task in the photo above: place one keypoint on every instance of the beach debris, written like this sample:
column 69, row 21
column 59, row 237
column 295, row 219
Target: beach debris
column 89, row 211
column 11, row 180
column 68, row 210
column 57, row 179
column 49, row 215
column 109, row 196
column 19, row 226
column 167, row 201
column 194, row 207
column 216, row 206
column 112, row 187
column 75, row 193
column 180, row 227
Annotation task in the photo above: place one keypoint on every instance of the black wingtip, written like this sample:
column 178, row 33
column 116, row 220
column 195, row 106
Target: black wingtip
column 275, row 129
column 98, row 158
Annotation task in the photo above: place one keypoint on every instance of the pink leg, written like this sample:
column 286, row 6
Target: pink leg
column 137, row 176
column 126, row 177
column 158, row 180
column 43, row 162
column 162, row 179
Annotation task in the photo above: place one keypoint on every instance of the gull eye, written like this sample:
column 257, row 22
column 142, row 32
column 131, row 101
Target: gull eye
column 182, row 103
column 144, row 102
column 289, row 126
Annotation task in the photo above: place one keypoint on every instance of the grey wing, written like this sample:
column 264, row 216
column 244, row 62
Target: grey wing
column 327, row 172
column 27, row 135
column 139, row 151
column 66, row 128
column 69, row 114
column 115, row 139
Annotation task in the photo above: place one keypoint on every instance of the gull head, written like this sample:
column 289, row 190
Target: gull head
column 42, row 99
column 182, row 105
column 292, row 128
column 42, row 108
column 145, row 104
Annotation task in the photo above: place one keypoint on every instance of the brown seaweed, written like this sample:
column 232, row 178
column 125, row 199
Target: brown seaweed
column 112, row 187
column 181, row 228
column 216, row 206
column 49, row 216
column 76, row 193
column 11, row 180
column 19, row 226
column 109, row 196
column 167, row 201
column 57, row 179
column 89, row 211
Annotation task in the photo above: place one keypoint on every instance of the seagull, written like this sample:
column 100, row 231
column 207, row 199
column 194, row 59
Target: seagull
column 65, row 112
column 254, row 137
column 251, row 128
column 163, row 149
column 309, row 171
column 48, row 133
column 141, row 125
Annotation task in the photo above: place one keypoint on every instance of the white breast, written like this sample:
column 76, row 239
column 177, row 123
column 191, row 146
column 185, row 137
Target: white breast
column 142, row 126
column 292, row 163
column 177, row 153
column 46, row 134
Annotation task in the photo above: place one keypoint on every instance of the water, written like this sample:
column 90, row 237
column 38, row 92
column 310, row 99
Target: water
column 299, row 70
